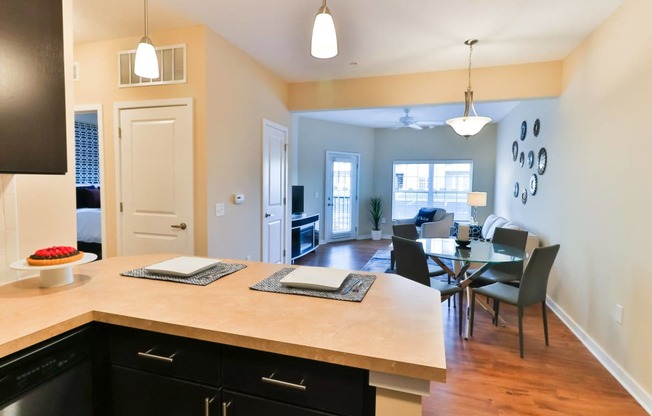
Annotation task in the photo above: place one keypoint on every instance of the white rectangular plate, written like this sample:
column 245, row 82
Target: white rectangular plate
column 319, row 278
column 182, row 266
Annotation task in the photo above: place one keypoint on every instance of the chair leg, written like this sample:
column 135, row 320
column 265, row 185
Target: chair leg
column 459, row 313
column 472, row 311
column 496, row 309
column 545, row 320
column 520, row 329
column 392, row 260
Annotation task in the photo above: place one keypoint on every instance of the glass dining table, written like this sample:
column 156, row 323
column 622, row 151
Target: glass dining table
column 484, row 253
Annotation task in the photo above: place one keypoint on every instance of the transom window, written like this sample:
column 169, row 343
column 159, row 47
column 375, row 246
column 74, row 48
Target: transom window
column 432, row 184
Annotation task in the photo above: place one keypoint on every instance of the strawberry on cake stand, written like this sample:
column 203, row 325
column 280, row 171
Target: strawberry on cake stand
column 54, row 264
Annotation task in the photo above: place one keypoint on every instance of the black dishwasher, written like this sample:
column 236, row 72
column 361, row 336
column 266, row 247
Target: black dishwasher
column 53, row 378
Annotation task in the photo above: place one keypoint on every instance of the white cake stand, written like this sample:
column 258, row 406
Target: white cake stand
column 55, row 275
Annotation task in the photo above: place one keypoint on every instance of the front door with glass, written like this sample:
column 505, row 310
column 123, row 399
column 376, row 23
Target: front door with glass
column 341, row 219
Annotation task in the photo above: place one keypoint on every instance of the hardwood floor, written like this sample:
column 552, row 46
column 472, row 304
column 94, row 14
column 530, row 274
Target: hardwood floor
column 485, row 374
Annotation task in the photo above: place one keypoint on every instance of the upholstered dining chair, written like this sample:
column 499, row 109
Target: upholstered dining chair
column 412, row 262
column 410, row 232
column 506, row 272
column 532, row 289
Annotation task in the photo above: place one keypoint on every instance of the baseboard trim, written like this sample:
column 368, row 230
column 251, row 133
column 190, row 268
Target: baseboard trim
column 637, row 392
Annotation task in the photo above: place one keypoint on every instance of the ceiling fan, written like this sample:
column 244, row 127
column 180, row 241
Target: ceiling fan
column 407, row 121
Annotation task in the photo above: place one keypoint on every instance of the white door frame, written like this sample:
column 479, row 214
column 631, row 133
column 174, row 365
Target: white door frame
column 286, row 255
column 130, row 105
column 97, row 109
column 355, row 205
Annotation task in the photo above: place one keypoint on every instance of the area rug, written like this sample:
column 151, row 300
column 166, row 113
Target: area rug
column 380, row 262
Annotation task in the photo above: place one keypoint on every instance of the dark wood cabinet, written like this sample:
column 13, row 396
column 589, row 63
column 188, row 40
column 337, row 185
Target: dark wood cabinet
column 158, row 374
column 32, row 87
column 139, row 393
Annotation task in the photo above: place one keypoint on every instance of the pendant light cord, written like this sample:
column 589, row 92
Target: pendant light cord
column 146, row 23
column 470, row 53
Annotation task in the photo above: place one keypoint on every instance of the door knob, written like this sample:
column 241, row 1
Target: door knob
column 183, row 226
column 267, row 215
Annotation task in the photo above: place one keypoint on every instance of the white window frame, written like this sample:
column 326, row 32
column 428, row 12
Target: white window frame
column 448, row 192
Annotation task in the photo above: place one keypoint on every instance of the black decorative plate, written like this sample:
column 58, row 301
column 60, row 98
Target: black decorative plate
column 521, row 159
column 524, row 196
column 537, row 127
column 530, row 159
column 516, row 189
column 515, row 150
column 543, row 161
column 523, row 129
column 534, row 184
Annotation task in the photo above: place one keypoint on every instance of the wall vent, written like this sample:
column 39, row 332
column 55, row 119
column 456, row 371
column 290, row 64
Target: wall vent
column 171, row 65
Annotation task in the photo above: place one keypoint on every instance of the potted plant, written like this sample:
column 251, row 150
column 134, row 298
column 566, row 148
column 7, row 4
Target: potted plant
column 376, row 212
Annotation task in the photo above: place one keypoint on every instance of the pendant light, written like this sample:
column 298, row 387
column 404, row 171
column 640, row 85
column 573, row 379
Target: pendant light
column 146, row 65
column 324, row 38
column 467, row 125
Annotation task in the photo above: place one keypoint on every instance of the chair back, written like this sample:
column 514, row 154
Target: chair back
column 408, row 231
column 411, row 260
column 534, row 283
column 438, row 229
column 512, row 238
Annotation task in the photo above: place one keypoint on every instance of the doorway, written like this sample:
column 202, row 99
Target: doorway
column 89, row 179
column 341, row 219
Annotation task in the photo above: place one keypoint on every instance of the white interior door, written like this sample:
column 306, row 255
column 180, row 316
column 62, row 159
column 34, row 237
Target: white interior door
column 341, row 219
column 274, row 191
column 156, row 180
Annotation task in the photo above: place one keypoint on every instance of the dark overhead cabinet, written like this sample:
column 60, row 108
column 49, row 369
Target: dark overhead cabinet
column 32, row 87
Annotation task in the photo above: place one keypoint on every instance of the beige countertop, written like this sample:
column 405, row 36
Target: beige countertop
column 396, row 329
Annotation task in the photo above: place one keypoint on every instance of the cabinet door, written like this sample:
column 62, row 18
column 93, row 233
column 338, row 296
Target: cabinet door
column 236, row 404
column 137, row 393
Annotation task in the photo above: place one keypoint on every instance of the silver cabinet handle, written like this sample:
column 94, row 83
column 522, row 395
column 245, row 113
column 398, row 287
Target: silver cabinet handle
column 225, row 408
column 183, row 226
column 148, row 354
column 272, row 380
column 207, row 406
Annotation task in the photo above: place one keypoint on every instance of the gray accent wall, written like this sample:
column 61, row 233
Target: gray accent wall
column 378, row 149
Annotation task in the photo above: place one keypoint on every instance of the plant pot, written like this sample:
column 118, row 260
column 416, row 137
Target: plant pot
column 375, row 234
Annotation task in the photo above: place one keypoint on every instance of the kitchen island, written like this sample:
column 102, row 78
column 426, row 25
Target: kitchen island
column 395, row 332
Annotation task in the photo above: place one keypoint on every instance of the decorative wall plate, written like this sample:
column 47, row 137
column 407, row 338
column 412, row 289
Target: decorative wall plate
column 521, row 159
column 523, row 129
column 537, row 127
column 515, row 150
column 534, row 184
column 524, row 196
column 530, row 159
column 543, row 161
column 516, row 189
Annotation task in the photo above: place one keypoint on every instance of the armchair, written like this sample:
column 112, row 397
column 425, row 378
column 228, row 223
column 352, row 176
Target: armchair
column 427, row 215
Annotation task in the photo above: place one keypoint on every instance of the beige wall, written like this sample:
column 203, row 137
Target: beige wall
column 98, row 84
column 489, row 84
column 240, row 94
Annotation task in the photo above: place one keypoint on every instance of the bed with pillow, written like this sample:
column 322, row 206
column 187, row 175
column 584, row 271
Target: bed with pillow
column 89, row 220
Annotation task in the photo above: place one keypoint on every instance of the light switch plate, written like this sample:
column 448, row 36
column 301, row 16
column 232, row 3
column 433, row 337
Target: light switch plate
column 219, row 210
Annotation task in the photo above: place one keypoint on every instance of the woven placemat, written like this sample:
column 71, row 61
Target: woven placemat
column 273, row 284
column 200, row 279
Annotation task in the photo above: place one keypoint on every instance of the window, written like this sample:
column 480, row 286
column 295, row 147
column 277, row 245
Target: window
column 440, row 184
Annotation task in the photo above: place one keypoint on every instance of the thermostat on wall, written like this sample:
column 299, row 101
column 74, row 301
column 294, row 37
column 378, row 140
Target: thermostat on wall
column 238, row 199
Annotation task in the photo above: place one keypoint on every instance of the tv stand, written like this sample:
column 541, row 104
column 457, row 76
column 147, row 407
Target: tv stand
column 305, row 234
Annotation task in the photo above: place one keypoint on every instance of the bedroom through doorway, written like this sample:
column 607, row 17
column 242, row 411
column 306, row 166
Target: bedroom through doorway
column 88, row 180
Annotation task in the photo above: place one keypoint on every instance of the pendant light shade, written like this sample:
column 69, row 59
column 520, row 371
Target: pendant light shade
column 146, row 64
column 324, row 38
column 468, row 125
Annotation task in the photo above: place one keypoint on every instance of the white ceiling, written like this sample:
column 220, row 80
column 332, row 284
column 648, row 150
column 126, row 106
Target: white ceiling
column 376, row 37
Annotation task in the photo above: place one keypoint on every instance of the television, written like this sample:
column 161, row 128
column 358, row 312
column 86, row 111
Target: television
column 297, row 199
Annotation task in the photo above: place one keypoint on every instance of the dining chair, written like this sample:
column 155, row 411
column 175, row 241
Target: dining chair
column 412, row 262
column 410, row 232
column 505, row 272
column 532, row 289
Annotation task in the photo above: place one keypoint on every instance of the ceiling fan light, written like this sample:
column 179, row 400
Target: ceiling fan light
column 324, row 38
column 469, row 125
column 146, row 65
